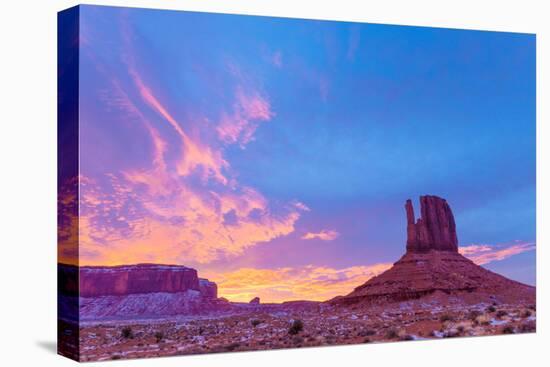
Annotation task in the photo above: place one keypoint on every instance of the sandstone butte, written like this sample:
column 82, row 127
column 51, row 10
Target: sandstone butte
column 433, row 267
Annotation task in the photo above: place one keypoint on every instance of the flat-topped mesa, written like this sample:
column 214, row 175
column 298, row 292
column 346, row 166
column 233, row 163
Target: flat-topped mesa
column 434, row 230
column 96, row 281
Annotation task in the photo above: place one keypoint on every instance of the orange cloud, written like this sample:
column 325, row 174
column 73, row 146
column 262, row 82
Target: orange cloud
column 67, row 228
column 157, row 217
column 309, row 282
column 161, row 212
column 325, row 235
column 484, row 254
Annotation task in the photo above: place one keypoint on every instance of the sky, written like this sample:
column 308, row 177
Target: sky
column 275, row 155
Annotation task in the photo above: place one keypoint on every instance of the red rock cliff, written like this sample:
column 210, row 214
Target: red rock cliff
column 131, row 279
column 434, row 230
column 208, row 289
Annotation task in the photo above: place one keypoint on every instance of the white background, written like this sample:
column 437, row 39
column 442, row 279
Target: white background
column 28, row 182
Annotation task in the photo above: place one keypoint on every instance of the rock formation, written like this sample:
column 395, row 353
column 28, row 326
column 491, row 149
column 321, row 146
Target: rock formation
column 207, row 288
column 255, row 301
column 434, row 230
column 134, row 279
column 129, row 291
column 432, row 266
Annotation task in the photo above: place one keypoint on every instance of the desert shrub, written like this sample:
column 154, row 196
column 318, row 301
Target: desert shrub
column 491, row 309
column 533, row 307
column 446, row 317
column 255, row 322
column 366, row 340
column 501, row 313
column 127, row 332
column 298, row 339
column 460, row 329
column 451, row 334
column 526, row 314
column 392, row 334
column 508, row 330
column 406, row 337
column 159, row 336
column 296, row 327
column 115, row 357
column 231, row 347
column 473, row 315
column 367, row 332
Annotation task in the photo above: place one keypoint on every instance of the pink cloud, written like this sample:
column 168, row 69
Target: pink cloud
column 160, row 212
column 325, row 235
column 484, row 254
column 248, row 109
column 277, row 59
column 301, row 206
column 172, row 222
column 194, row 153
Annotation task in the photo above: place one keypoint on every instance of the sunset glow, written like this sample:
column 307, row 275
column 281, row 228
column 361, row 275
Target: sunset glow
column 278, row 166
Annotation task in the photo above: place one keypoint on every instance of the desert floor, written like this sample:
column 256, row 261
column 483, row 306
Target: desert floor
column 320, row 326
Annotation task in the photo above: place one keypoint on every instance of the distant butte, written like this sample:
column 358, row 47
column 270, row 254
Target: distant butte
column 433, row 267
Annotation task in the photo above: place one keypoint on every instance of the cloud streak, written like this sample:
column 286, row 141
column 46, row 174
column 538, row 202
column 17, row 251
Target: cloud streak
column 324, row 235
column 484, row 254
column 248, row 109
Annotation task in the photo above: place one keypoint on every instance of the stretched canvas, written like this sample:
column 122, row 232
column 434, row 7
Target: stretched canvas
column 236, row 183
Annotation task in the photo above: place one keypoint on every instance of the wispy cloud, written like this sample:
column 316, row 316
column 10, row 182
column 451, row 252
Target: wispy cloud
column 299, row 283
column 301, row 206
column 191, row 209
column 195, row 154
column 277, row 59
column 325, row 235
column 249, row 109
column 484, row 254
